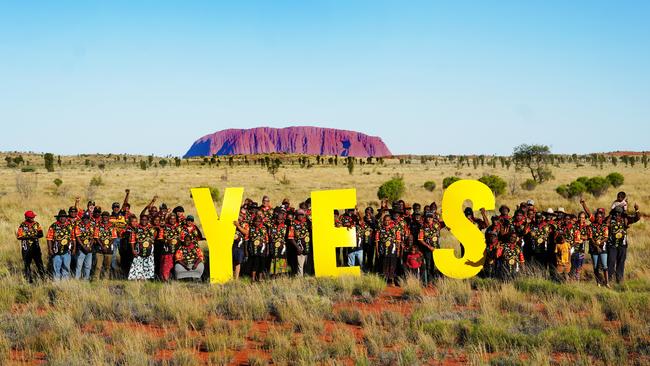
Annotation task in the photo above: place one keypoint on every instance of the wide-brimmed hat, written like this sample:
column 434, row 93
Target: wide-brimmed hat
column 62, row 213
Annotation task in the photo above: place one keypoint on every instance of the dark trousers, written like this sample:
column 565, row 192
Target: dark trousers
column 616, row 262
column 369, row 258
column 390, row 267
column 428, row 267
column 33, row 254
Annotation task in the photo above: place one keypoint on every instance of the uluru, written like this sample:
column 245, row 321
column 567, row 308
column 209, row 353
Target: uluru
column 292, row 140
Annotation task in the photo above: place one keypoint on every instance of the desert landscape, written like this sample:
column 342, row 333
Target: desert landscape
column 336, row 321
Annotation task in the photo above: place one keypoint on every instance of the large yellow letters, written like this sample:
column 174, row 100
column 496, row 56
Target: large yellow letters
column 327, row 237
column 219, row 232
column 469, row 235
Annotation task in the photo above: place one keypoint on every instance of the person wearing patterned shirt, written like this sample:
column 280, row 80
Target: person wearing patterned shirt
column 598, row 234
column 142, row 239
column 278, row 244
column 389, row 246
column 300, row 237
column 258, row 248
column 189, row 260
column 429, row 240
column 617, row 244
column 60, row 244
column 171, row 239
column 510, row 258
column 240, row 243
column 29, row 232
column 536, row 242
column 84, row 232
column 105, row 235
column 581, row 236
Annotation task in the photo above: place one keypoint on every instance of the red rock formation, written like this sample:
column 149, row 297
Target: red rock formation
column 295, row 140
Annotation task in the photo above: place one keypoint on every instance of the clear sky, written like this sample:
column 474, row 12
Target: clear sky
column 454, row 77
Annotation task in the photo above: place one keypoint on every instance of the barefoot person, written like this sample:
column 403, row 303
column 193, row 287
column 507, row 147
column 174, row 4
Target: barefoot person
column 29, row 232
column 60, row 245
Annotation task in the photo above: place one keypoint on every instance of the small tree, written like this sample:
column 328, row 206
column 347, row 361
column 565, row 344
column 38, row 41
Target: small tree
column 615, row 179
column 597, row 186
column 529, row 184
column 496, row 184
column 143, row 165
column 429, row 185
column 350, row 165
column 535, row 158
column 392, row 190
column 49, row 162
column 449, row 181
column 163, row 163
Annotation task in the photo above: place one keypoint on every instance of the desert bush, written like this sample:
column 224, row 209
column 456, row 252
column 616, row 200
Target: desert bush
column 392, row 190
column 350, row 316
column 96, row 181
column 368, row 286
column 597, row 186
column 49, row 162
column 28, row 169
column 449, row 181
column 412, row 289
column 546, row 288
column 242, row 303
column 496, row 184
column 429, row 185
column 571, row 190
column 529, row 185
column 615, row 179
column 184, row 357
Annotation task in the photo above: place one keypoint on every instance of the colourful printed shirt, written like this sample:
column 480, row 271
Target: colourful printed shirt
column 241, row 238
column 388, row 239
column 511, row 256
column 171, row 234
column 142, row 239
column 62, row 236
column 617, row 234
column 259, row 239
column 430, row 234
column 581, row 238
column 105, row 234
column 28, row 233
column 599, row 232
column 85, row 232
column 538, row 236
column 299, row 232
column 278, row 236
column 189, row 254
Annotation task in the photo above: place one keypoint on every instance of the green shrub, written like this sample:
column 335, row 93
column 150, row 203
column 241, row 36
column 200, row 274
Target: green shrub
column 57, row 182
column 28, row 169
column 615, row 179
column 392, row 190
column 571, row 190
column 597, row 186
column 449, row 181
column 529, row 184
column 496, row 184
column 429, row 185
column 96, row 181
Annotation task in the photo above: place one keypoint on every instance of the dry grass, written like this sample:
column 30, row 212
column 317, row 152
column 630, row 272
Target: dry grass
column 528, row 321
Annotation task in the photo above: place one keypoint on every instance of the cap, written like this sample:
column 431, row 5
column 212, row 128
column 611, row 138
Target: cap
column 189, row 218
column 530, row 203
column 560, row 210
column 115, row 205
column 30, row 214
column 550, row 211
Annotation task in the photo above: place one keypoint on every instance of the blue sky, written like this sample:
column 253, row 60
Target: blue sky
column 455, row 77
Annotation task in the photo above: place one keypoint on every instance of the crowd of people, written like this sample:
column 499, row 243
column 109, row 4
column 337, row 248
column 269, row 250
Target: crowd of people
column 393, row 241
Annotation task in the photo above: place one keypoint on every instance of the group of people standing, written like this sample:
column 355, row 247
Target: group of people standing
column 276, row 241
column 92, row 243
